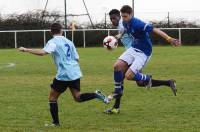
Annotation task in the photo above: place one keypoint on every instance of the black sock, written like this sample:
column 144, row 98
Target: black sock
column 118, row 98
column 156, row 83
column 117, row 102
column 87, row 96
column 54, row 111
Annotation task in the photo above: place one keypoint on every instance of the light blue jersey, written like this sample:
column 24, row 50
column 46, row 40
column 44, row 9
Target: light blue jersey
column 127, row 40
column 65, row 58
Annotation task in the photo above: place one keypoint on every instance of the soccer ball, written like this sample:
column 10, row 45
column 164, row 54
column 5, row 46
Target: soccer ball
column 110, row 42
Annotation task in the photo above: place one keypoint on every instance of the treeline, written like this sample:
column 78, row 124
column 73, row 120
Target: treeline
column 43, row 20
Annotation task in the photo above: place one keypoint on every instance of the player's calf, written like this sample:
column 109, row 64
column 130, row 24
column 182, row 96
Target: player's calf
column 53, row 97
column 82, row 97
column 119, row 68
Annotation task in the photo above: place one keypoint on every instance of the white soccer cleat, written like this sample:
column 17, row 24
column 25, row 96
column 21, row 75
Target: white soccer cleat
column 51, row 125
column 102, row 97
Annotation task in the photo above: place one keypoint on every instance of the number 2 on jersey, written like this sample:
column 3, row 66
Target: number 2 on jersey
column 68, row 50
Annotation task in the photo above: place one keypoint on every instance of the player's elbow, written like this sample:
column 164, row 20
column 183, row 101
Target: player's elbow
column 78, row 100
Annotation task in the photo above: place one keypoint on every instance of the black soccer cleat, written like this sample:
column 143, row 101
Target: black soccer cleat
column 173, row 86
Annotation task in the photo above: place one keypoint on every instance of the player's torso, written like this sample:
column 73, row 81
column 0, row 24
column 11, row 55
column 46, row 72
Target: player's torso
column 64, row 57
column 142, row 39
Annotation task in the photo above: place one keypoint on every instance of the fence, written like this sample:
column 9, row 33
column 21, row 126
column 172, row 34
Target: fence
column 85, row 37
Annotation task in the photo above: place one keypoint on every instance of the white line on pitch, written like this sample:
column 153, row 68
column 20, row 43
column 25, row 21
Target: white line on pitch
column 8, row 65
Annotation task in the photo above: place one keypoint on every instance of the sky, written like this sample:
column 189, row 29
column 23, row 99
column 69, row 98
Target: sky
column 145, row 9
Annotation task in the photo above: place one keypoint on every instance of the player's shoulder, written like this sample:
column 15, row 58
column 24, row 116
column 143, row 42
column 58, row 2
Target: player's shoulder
column 136, row 21
column 69, row 42
column 51, row 42
column 59, row 39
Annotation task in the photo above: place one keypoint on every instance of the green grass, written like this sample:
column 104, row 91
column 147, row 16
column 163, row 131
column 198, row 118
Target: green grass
column 24, row 94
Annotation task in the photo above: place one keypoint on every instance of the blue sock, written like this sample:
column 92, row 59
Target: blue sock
column 141, row 77
column 118, row 78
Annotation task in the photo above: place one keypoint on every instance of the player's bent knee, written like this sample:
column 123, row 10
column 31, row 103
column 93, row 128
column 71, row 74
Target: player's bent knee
column 54, row 95
column 78, row 99
column 52, row 98
column 117, row 67
column 128, row 76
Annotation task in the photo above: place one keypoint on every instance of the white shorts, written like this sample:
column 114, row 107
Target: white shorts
column 135, row 58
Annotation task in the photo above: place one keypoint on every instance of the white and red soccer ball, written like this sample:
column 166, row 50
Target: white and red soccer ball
column 110, row 42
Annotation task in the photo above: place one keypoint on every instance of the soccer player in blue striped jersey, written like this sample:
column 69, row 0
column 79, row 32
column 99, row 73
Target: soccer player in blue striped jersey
column 127, row 41
column 68, row 74
column 136, row 57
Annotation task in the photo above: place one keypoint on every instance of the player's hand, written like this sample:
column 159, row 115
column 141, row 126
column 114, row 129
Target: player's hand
column 22, row 49
column 118, row 36
column 174, row 42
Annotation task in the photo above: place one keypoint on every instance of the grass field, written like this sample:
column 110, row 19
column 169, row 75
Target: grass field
column 24, row 94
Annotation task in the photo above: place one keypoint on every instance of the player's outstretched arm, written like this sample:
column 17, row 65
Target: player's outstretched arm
column 38, row 52
column 172, row 41
column 118, row 36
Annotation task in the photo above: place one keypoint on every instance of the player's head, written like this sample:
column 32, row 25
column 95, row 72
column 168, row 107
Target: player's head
column 115, row 16
column 126, row 13
column 56, row 28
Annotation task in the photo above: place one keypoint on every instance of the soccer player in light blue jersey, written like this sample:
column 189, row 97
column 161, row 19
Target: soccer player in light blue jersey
column 117, row 22
column 133, row 60
column 68, row 74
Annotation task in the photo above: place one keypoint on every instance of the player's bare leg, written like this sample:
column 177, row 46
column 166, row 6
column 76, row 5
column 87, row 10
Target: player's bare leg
column 82, row 97
column 157, row 83
column 53, row 97
column 139, row 77
column 120, row 68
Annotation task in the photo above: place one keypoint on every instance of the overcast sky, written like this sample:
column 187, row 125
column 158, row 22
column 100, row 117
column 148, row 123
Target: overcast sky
column 147, row 9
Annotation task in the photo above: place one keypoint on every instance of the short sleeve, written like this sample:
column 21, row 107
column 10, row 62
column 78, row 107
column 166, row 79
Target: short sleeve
column 50, row 47
column 148, row 27
column 142, row 26
column 125, row 27
column 75, row 53
column 120, row 27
